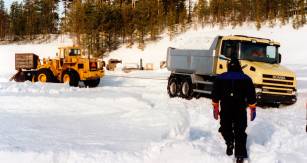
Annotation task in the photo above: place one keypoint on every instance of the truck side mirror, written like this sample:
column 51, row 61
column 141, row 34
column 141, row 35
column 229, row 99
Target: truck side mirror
column 279, row 57
column 57, row 54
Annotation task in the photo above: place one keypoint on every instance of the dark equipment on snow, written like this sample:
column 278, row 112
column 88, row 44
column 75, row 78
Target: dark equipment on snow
column 27, row 61
column 112, row 64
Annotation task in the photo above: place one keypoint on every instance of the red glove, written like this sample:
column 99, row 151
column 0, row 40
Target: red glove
column 215, row 110
column 253, row 111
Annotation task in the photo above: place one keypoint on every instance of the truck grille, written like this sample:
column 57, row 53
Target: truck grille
column 275, row 84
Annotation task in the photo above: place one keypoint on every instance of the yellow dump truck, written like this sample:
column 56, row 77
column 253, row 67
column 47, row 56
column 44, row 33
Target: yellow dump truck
column 69, row 66
column 193, row 71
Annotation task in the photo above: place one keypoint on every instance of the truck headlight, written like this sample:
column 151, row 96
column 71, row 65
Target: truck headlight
column 258, row 90
column 294, row 93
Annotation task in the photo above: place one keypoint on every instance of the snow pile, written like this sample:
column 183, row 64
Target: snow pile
column 132, row 120
column 198, row 42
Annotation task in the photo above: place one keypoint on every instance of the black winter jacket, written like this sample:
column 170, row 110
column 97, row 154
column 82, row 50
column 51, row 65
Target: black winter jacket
column 233, row 88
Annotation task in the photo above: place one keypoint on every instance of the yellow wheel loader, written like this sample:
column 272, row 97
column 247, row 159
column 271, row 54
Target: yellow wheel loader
column 69, row 66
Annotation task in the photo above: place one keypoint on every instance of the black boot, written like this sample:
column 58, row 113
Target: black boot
column 240, row 160
column 229, row 150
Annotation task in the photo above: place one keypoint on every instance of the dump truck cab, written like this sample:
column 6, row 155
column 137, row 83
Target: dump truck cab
column 260, row 59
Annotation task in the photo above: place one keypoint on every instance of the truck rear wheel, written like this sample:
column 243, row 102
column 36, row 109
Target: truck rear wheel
column 70, row 76
column 172, row 88
column 91, row 83
column 186, row 88
column 44, row 75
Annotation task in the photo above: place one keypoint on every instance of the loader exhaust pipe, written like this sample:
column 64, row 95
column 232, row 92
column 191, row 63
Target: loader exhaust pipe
column 89, row 51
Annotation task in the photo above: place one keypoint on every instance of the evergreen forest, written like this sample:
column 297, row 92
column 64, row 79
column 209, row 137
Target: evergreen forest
column 104, row 25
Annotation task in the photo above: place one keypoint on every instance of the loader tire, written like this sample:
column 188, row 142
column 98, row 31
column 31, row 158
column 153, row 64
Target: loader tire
column 70, row 76
column 91, row 83
column 44, row 75
column 172, row 87
column 186, row 88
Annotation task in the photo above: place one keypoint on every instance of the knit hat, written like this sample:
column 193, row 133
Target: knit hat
column 234, row 65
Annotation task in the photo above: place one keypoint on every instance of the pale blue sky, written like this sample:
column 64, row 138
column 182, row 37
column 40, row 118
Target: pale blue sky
column 7, row 4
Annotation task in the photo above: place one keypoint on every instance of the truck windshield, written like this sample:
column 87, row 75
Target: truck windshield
column 74, row 52
column 259, row 52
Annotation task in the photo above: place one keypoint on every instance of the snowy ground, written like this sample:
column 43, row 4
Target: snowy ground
column 133, row 120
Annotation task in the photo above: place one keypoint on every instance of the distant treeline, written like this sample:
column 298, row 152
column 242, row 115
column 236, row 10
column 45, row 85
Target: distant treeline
column 105, row 24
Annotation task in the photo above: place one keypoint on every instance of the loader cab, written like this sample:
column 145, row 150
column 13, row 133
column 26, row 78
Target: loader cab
column 69, row 55
column 74, row 52
column 70, row 52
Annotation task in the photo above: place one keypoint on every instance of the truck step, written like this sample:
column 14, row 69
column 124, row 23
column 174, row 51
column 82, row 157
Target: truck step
column 201, row 91
column 203, row 82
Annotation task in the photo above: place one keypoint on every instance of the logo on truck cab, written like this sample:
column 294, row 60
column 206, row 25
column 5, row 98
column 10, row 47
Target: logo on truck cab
column 279, row 77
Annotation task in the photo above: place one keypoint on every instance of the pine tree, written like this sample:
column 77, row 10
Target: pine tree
column 117, row 24
column 30, row 16
column 214, row 7
column 259, row 10
column 123, row 12
column 90, row 21
column 97, row 49
column 55, row 16
column 302, row 7
column 3, row 21
column 221, row 17
column 272, row 12
column 161, row 16
column 300, row 17
column 109, row 27
column 203, row 12
column 242, row 11
column 284, row 11
column 183, row 19
column 153, row 26
column 17, row 31
column 129, row 22
column 233, row 13
column 74, row 22
column 171, row 26
column 7, row 24
column 195, row 16
column 46, row 17
column 228, row 13
column 142, row 21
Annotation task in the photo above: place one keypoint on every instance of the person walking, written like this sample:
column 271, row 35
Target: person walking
column 233, row 89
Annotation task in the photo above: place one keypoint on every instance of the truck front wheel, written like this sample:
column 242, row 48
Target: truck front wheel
column 186, row 88
column 70, row 76
column 44, row 75
column 172, row 87
column 91, row 83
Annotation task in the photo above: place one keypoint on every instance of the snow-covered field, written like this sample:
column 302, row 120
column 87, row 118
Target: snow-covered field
column 133, row 120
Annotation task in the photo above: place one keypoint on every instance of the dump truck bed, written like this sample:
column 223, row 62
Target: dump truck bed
column 192, row 61
column 26, row 61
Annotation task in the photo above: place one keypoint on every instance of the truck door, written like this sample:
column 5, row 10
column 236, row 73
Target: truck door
column 229, row 48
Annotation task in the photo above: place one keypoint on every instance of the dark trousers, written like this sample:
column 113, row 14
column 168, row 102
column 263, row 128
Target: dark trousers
column 233, row 125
